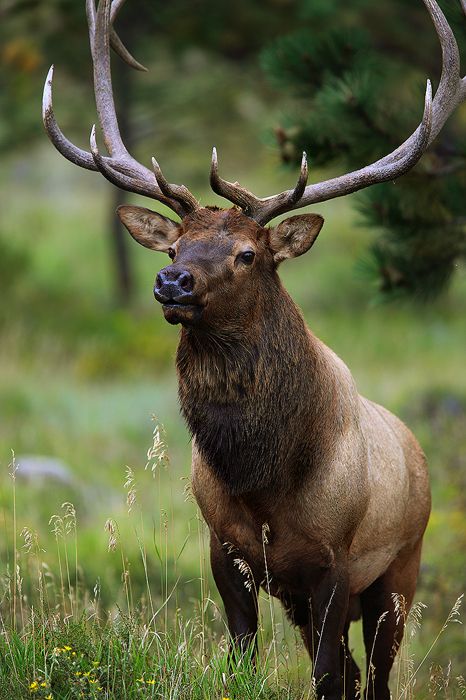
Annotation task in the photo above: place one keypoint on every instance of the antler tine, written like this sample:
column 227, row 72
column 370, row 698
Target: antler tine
column 302, row 179
column 231, row 190
column 120, row 49
column 115, row 9
column 62, row 144
column 179, row 193
column 280, row 203
column 115, row 41
column 120, row 168
column 261, row 210
column 450, row 93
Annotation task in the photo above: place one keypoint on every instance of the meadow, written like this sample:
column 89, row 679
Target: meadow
column 105, row 583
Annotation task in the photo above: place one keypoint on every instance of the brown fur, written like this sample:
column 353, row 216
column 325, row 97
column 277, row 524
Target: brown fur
column 285, row 449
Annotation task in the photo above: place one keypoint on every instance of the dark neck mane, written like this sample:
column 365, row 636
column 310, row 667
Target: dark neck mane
column 252, row 397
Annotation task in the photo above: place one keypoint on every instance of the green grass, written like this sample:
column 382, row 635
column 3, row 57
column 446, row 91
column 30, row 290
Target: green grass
column 126, row 659
column 60, row 640
column 80, row 380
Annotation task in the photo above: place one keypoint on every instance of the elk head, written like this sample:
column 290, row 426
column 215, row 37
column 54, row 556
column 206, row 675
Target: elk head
column 223, row 255
column 218, row 255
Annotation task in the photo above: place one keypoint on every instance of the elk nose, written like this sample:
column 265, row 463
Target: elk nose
column 185, row 280
column 173, row 285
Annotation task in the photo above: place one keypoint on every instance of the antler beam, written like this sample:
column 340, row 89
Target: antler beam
column 119, row 167
column 450, row 93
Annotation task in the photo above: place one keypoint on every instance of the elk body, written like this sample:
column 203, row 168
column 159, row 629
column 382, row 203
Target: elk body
column 321, row 492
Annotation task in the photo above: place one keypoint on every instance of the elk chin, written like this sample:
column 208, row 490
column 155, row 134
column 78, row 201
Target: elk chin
column 186, row 314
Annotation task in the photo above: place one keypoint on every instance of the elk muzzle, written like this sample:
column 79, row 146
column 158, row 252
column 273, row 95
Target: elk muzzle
column 174, row 289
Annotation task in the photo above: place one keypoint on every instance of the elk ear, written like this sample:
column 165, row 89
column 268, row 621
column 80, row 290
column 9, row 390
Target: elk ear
column 294, row 236
column 148, row 228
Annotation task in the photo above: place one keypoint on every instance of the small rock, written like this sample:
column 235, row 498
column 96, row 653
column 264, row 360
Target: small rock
column 37, row 468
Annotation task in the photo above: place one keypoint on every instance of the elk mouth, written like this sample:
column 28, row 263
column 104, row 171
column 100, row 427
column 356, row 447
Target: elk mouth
column 184, row 313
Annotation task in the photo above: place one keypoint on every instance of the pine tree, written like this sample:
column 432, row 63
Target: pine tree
column 359, row 75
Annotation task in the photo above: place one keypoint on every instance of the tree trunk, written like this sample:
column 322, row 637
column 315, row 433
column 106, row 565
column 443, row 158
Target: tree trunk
column 120, row 253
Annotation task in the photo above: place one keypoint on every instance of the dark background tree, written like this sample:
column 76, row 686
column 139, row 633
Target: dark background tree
column 358, row 73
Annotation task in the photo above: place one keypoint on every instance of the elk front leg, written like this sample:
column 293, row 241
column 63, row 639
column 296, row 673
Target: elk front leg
column 323, row 634
column 239, row 595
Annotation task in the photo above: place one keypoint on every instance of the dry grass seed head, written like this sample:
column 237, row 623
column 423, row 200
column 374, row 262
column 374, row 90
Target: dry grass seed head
column 399, row 604
column 31, row 539
column 69, row 516
column 13, row 466
column 130, row 486
column 461, row 685
column 157, row 455
column 455, row 611
column 112, row 529
column 230, row 548
column 245, row 570
column 58, row 526
column 439, row 679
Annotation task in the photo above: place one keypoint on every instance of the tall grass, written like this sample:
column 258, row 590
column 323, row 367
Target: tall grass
column 58, row 642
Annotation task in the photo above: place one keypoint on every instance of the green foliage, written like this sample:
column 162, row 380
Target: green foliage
column 359, row 96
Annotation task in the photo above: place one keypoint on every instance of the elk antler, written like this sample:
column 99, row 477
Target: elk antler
column 248, row 202
column 450, row 93
column 119, row 167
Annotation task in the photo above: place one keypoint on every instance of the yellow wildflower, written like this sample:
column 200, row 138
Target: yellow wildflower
column 67, row 648
column 151, row 681
column 49, row 697
column 33, row 686
column 43, row 684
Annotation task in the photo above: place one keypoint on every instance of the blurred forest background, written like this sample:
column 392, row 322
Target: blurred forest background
column 85, row 356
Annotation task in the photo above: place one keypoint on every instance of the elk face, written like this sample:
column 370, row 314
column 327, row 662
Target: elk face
column 221, row 260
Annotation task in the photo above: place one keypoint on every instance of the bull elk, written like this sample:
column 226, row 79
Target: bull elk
column 284, row 449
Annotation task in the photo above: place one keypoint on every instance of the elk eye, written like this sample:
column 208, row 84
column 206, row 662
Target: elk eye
column 247, row 257
column 171, row 253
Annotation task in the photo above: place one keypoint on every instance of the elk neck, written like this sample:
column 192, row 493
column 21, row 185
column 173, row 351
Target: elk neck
column 262, row 399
